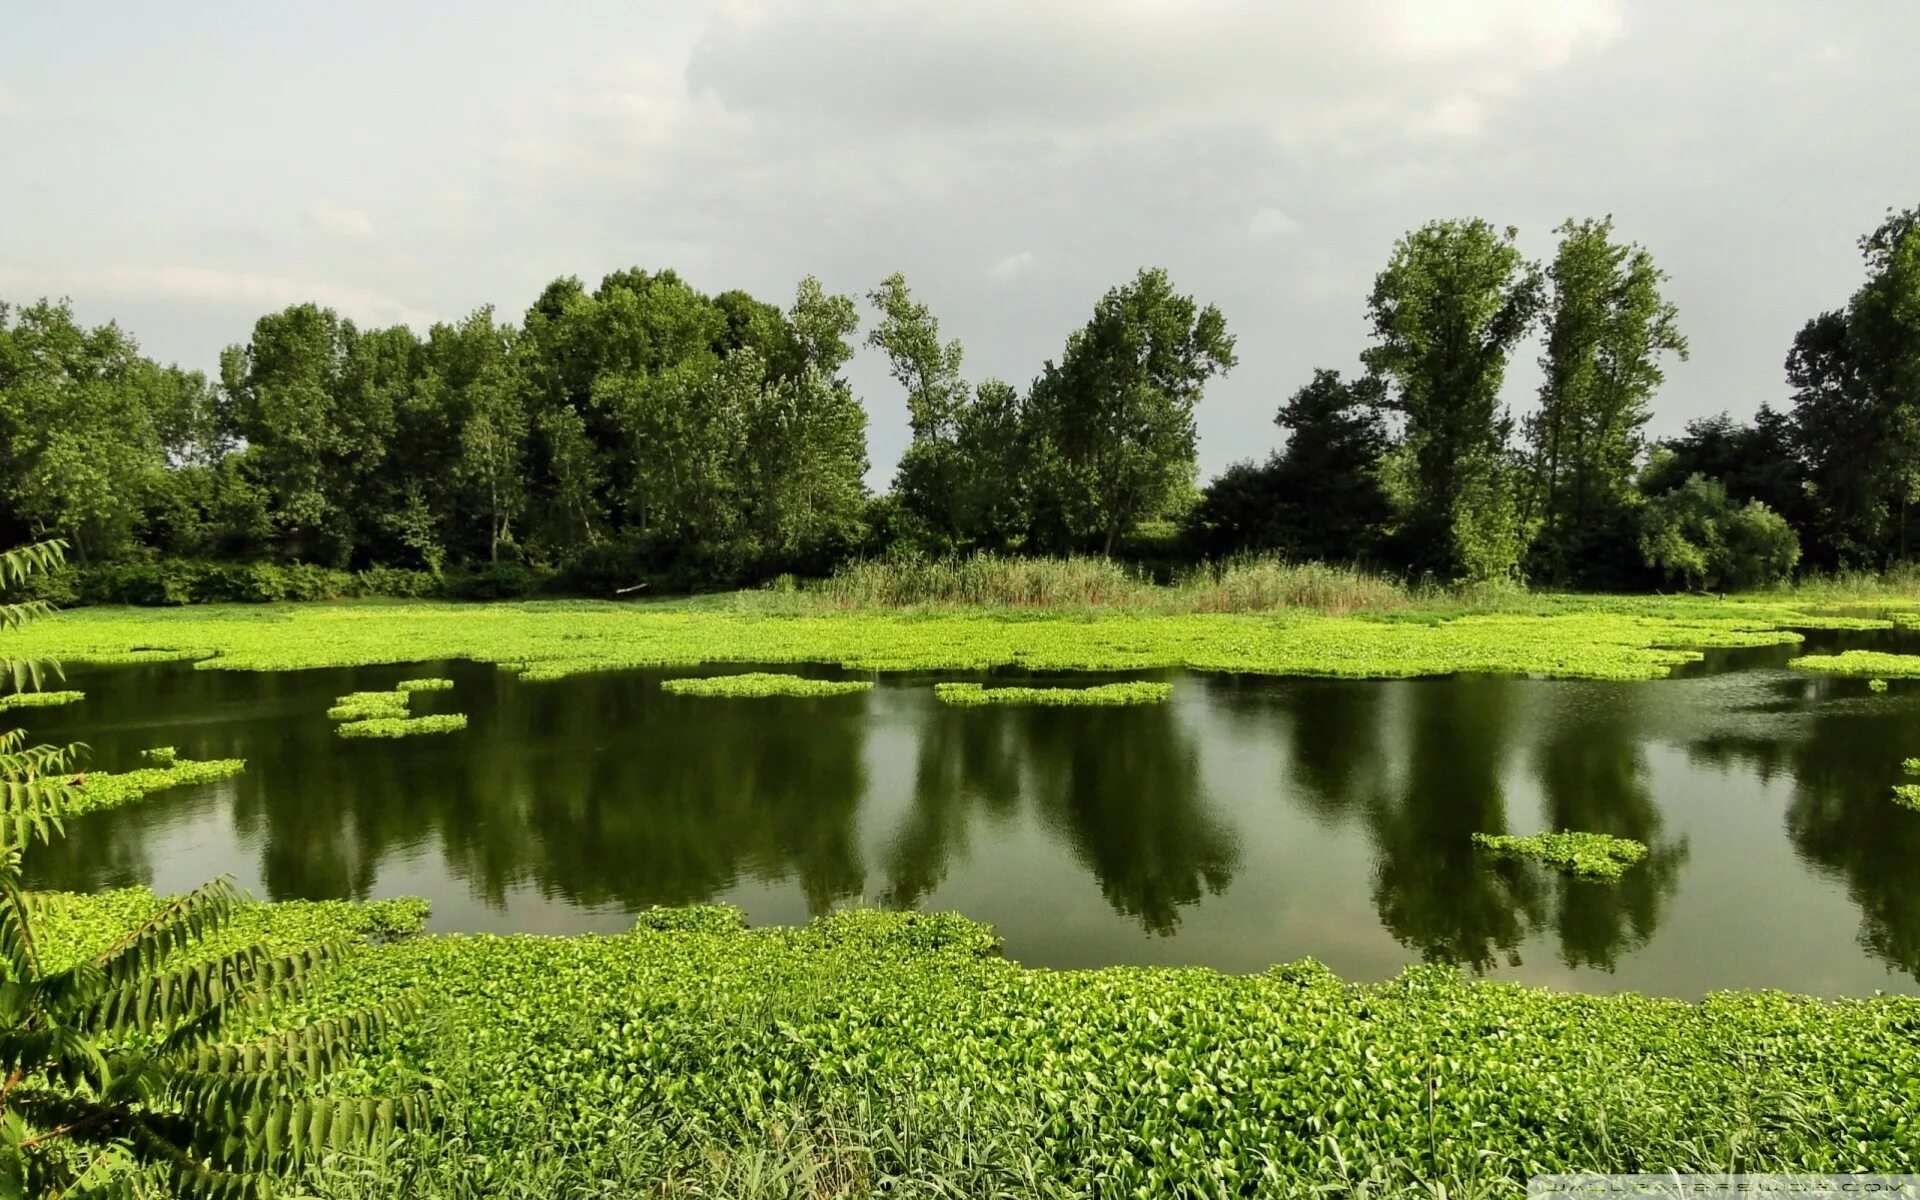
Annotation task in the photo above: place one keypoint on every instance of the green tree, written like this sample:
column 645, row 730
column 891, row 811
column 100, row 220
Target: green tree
column 1114, row 419
column 1699, row 536
column 1607, row 329
column 151, row 1056
column 933, row 475
column 1454, row 300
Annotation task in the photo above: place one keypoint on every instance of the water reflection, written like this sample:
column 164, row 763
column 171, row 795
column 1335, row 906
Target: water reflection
column 1250, row 821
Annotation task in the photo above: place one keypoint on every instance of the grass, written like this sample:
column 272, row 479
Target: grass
column 1106, row 694
column 424, row 685
column 399, row 727
column 759, row 684
column 39, row 699
column 1597, row 856
column 1590, row 637
column 97, row 790
column 877, row 1052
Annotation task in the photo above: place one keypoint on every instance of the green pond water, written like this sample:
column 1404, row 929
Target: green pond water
column 1247, row 821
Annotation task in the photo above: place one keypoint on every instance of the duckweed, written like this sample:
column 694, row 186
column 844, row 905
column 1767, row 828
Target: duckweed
column 1861, row 662
column 399, row 727
column 1588, row 855
column 39, row 699
column 424, row 685
column 93, row 791
column 365, row 706
column 1104, row 694
column 762, row 684
column 1118, row 1082
column 1585, row 637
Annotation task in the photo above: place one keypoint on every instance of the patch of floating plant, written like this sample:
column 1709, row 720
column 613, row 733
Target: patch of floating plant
column 762, row 684
column 1876, row 685
column 1875, row 664
column 424, row 685
column 92, row 791
column 399, row 727
column 1106, row 694
column 1599, row 856
column 39, row 699
column 366, row 706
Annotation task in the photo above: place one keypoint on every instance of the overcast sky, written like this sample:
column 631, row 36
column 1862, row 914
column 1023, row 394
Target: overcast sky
column 183, row 168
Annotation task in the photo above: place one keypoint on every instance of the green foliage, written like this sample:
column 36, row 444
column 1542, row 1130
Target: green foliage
column 1696, row 535
column 1589, row 855
column 91, row 791
column 364, row 706
column 399, row 727
column 424, row 685
column 1868, row 663
column 697, row 918
column 1877, row 685
column 39, row 699
column 763, row 684
column 1102, row 695
column 1907, row 795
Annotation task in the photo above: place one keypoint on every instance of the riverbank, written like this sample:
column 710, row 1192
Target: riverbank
column 1561, row 636
column 696, row 1057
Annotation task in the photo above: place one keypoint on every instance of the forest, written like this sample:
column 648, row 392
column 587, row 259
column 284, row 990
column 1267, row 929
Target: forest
column 646, row 435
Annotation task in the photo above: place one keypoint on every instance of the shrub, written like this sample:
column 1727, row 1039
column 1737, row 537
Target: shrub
column 1697, row 535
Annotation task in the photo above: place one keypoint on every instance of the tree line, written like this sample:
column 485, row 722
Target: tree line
column 647, row 432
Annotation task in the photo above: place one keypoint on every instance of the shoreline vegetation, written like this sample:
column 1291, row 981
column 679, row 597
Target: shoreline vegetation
column 904, row 1048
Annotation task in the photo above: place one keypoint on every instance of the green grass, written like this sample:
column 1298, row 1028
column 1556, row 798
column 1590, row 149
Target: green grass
column 1872, row 663
column 39, row 699
column 760, row 684
column 399, row 727
column 1588, row 855
column 875, row 1051
column 97, row 790
column 365, row 706
column 1106, row 694
column 424, row 685
column 1593, row 637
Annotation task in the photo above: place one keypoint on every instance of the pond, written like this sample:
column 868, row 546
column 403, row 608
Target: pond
column 1250, row 820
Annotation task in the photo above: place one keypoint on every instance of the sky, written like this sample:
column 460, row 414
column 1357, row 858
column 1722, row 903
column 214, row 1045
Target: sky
column 184, row 168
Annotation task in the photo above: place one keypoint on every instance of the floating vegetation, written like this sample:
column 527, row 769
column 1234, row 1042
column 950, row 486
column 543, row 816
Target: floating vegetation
column 1907, row 795
column 399, row 727
column 424, row 685
column 39, row 699
column 1873, row 663
column 1587, row 855
column 1876, row 685
column 1106, row 694
column 1588, row 637
column 92, row 791
column 366, row 706
column 760, row 683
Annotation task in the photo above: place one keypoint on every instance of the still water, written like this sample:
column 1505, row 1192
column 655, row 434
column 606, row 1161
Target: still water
column 1248, row 821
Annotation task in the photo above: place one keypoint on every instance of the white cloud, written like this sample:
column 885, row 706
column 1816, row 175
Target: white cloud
column 216, row 286
column 1271, row 222
column 338, row 220
column 7, row 101
column 1012, row 266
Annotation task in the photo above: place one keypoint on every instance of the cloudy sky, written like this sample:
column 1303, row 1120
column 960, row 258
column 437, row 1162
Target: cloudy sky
column 184, row 168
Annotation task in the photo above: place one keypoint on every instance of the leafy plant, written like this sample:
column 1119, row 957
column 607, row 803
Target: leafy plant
column 763, row 684
column 399, row 727
column 39, row 699
column 1589, row 855
column 424, row 685
column 1102, row 695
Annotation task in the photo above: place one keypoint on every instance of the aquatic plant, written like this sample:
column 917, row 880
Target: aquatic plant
column 761, row 684
column 363, row 706
column 1876, row 685
column 92, row 791
column 39, row 699
column 1907, row 795
column 424, row 685
column 1588, row 637
column 1588, row 855
column 1873, row 663
column 1102, row 695
column 398, row 727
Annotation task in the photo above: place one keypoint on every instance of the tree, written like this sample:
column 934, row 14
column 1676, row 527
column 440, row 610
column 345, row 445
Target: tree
column 932, row 474
column 129, row 1059
column 1607, row 328
column 1454, row 299
column 1856, row 403
column 1753, row 462
column 1699, row 536
column 1114, row 419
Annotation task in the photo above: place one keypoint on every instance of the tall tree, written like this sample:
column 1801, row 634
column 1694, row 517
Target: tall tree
column 1608, row 328
column 1455, row 298
column 1114, row 419
column 932, row 473
column 1856, row 380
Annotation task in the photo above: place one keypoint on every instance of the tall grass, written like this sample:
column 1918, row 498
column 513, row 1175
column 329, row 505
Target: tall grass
column 1244, row 584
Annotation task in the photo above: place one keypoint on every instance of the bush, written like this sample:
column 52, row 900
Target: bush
column 1698, row 535
column 496, row 581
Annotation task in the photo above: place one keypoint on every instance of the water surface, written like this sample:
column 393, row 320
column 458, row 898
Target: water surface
column 1251, row 820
